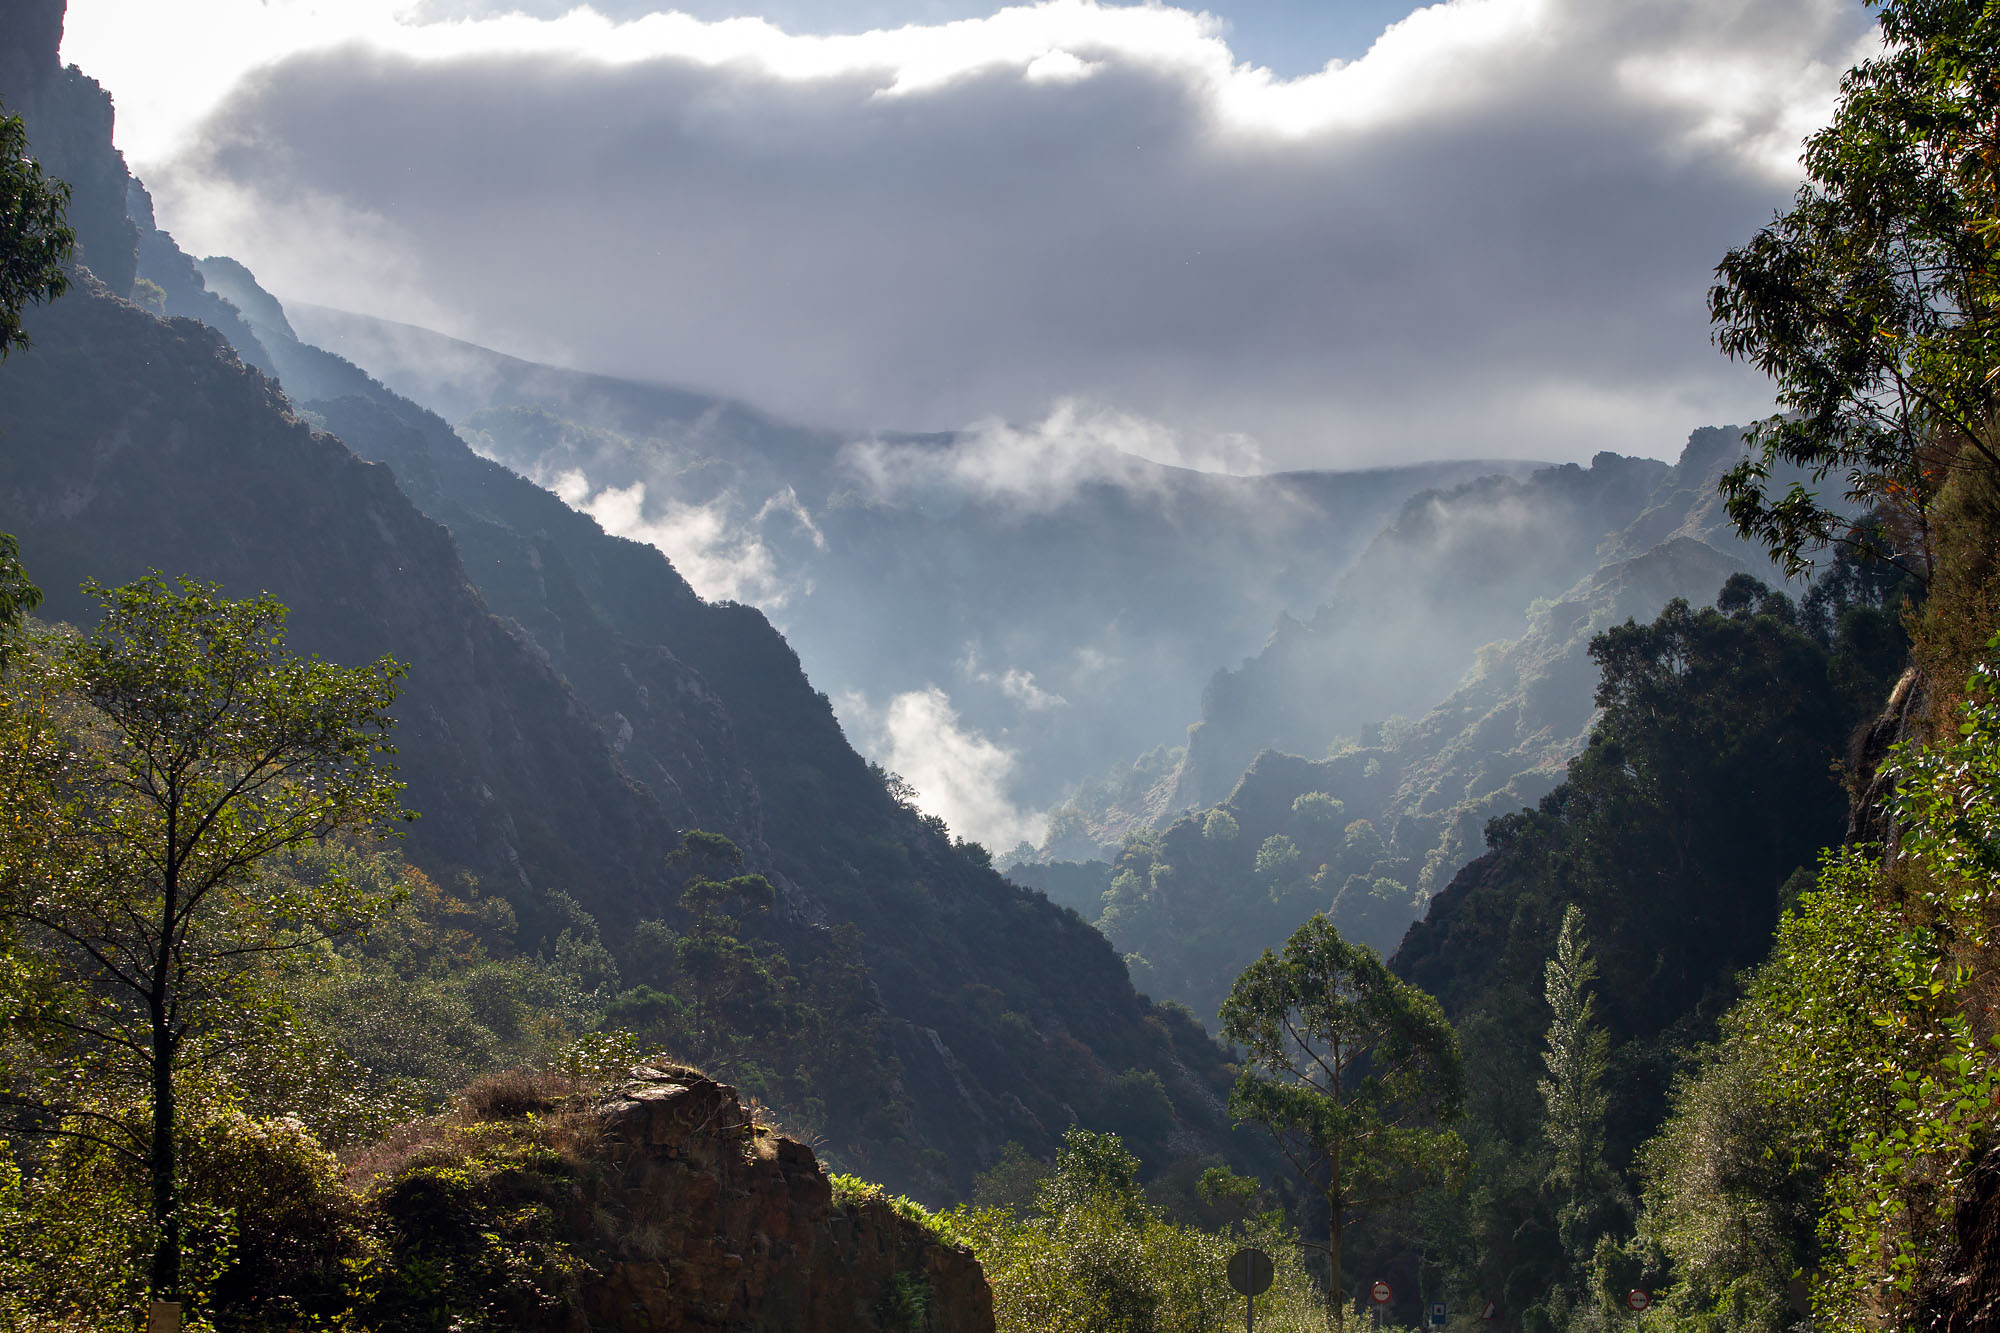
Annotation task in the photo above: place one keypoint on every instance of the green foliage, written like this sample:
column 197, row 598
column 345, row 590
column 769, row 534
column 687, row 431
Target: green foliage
column 1354, row 1071
column 1573, row 1093
column 850, row 1191
column 35, row 243
column 1093, row 1256
column 270, row 1229
column 18, row 595
column 1706, row 786
column 905, row 1303
column 154, row 770
column 1871, row 302
column 1835, row 1124
column 1277, row 858
column 1010, row 1182
column 1316, row 809
column 1197, row 907
column 73, row 1239
column 468, row 1232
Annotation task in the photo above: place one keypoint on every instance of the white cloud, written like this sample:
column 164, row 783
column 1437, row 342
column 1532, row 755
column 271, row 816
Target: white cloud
column 1039, row 467
column 1015, row 683
column 722, row 557
column 1491, row 234
column 1020, row 686
column 958, row 774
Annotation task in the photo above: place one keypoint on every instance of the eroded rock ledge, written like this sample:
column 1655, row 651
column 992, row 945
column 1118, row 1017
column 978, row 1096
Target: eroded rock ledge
column 703, row 1220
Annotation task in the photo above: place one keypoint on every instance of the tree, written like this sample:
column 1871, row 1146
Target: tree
column 1277, row 858
column 1355, row 1072
column 152, row 769
column 1091, row 1254
column 1874, row 301
column 34, row 246
column 18, row 595
column 34, row 242
column 730, row 985
column 1573, row 1093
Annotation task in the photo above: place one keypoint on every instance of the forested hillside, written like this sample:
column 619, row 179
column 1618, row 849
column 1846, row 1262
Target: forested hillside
column 1370, row 824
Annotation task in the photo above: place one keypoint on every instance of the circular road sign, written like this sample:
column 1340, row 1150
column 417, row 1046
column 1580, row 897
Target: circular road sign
column 1380, row 1293
column 1250, row 1272
column 1637, row 1299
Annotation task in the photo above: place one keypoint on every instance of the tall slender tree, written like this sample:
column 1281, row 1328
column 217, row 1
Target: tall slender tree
column 1573, row 1093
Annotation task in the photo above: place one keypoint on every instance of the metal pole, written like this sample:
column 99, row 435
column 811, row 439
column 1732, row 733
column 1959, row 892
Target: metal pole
column 1249, row 1313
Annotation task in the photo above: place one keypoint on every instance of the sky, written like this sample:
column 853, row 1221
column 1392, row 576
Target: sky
column 1286, row 234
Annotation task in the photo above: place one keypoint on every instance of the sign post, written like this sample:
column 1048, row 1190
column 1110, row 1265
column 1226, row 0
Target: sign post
column 1638, row 1300
column 1250, row 1272
column 1378, row 1296
column 1439, row 1313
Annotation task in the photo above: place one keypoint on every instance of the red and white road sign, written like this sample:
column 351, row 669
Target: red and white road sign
column 1637, row 1299
column 1491, row 1312
column 1380, row 1293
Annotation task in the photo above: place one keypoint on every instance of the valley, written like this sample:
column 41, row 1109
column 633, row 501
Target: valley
column 487, row 844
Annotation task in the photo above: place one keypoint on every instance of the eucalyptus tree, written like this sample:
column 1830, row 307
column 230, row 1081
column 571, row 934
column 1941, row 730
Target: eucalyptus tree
column 1874, row 301
column 1355, row 1072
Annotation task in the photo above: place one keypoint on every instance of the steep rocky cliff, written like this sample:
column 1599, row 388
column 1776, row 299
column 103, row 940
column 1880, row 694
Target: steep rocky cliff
column 69, row 131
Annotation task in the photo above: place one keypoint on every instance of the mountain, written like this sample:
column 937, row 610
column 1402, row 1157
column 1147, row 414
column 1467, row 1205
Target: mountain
column 1040, row 587
column 572, row 706
column 1394, row 807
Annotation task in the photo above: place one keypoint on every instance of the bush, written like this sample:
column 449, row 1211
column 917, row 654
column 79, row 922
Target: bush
column 1094, row 1257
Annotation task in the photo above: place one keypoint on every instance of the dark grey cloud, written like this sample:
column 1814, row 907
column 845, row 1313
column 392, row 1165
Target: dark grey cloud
column 1493, row 236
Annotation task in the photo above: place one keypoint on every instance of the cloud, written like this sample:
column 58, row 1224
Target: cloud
column 722, row 557
column 1490, row 235
column 958, row 774
column 1040, row 467
column 1015, row 683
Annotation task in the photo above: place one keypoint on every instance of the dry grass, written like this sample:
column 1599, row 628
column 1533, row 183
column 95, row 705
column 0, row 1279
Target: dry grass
column 514, row 1094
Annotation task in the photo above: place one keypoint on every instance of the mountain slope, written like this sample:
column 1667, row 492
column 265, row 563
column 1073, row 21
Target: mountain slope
column 1372, row 830
column 1063, row 597
column 129, row 443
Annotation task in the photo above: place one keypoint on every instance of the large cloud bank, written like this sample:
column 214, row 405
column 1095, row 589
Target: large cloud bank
column 1490, row 235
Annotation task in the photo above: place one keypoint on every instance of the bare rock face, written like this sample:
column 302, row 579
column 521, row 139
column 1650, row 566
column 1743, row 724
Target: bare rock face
column 703, row 1220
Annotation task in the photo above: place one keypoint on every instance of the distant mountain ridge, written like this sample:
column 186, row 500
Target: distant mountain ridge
column 1576, row 550
column 1067, row 597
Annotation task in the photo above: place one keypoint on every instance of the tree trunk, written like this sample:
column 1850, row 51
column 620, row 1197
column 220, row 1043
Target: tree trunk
column 166, row 1278
column 1333, row 1228
column 166, row 1273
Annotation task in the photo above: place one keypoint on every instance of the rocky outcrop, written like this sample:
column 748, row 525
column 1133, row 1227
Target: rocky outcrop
column 704, row 1220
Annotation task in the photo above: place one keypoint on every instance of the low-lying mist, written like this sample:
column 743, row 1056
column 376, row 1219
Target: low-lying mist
column 999, row 612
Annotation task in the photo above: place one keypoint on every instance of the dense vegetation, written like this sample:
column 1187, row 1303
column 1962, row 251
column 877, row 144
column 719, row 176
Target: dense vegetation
column 1713, row 1018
